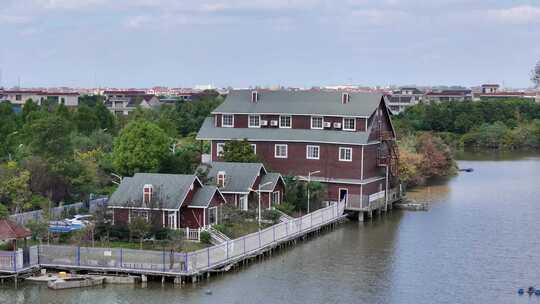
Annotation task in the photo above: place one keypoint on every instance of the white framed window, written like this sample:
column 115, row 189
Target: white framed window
column 280, row 151
column 345, row 154
column 274, row 198
column 349, row 124
column 312, row 152
column 254, row 121
column 285, row 121
column 219, row 149
column 147, row 193
column 254, row 148
column 133, row 214
column 227, row 120
column 317, row 122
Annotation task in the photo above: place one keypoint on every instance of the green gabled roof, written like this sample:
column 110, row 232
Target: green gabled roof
column 209, row 131
column 271, row 178
column 239, row 177
column 203, row 196
column 169, row 190
column 310, row 102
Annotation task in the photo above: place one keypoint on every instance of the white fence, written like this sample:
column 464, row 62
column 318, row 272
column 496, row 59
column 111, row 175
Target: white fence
column 169, row 261
column 56, row 212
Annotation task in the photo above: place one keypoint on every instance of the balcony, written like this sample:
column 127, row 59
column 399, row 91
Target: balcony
column 371, row 202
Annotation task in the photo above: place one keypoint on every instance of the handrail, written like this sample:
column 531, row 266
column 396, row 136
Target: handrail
column 173, row 262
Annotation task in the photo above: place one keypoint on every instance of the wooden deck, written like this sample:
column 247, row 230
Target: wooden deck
column 191, row 264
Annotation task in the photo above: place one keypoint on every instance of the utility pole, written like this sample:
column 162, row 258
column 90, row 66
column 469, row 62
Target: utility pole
column 308, row 184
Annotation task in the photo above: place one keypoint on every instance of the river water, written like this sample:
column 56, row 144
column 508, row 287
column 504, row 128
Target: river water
column 477, row 244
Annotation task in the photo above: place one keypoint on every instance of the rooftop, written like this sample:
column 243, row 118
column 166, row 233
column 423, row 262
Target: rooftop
column 170, row 190
column 209, row 131
column 310, row 102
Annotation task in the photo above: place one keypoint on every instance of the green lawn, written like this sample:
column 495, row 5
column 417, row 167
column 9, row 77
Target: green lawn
column 239, row 229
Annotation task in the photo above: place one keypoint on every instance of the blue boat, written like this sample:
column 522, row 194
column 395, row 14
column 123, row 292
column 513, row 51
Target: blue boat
column 63, row 227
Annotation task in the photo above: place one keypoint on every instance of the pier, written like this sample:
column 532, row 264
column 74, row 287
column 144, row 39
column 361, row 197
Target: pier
column 183, row 267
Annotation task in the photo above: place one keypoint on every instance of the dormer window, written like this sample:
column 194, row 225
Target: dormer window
column 148, row 190
column 220, row 179
column 345, row 98
column 254, row 96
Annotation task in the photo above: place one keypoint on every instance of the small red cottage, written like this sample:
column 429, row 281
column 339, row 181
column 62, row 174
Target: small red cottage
column 167, row 200
column 241, row 183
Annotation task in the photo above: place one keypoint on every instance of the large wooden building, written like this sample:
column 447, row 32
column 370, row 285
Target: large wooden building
column 344, row 140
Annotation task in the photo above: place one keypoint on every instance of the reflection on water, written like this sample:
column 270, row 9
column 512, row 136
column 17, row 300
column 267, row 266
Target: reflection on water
column 477, row 244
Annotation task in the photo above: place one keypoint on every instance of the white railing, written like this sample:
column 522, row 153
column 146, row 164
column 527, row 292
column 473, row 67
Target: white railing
column 193, row 234
column 119, row 259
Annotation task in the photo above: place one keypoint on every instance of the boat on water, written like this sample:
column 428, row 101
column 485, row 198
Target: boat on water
column 466, row 169
column 76, row 282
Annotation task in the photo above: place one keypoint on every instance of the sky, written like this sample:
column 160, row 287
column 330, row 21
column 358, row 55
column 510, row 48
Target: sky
column 242, row 43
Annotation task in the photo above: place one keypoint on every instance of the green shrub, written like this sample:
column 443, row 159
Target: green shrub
column 272, row 215
column 220, row 227
column 205, row 237
column 285, row 208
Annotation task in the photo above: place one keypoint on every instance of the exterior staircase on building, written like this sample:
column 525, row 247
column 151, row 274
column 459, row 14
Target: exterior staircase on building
column 216, row 237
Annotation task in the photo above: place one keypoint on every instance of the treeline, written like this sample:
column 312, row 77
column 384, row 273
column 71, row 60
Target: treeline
column 509, row 123
column 423, row 157
column 50, row 153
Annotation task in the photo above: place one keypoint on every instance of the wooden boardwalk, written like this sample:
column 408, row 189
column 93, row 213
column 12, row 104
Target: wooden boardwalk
column 191, row 264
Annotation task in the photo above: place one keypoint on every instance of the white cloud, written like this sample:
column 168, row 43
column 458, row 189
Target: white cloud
column 11, row 19
column 378, row 16
column 68, row 4
column 524, row 14
column 137, row 22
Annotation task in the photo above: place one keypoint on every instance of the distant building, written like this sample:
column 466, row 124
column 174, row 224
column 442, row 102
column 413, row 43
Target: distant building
column 449, row 95
column 403, row 98
column 18, row 97
column 490, row 88
column 124, row 102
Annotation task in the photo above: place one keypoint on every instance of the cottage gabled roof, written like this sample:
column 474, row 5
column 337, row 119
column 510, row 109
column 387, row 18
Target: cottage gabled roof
column 209, row 131
column 239, row 177
column 300, row 102
column 203, row 197
column 271, row 180
column 10, row 230
column 169, row 190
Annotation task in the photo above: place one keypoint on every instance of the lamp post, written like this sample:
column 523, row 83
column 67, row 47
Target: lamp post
column 258, row 191
column 309, row 183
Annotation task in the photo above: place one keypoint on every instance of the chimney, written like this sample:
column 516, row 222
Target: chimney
column 254, row 96
column 345, row 98
column 221, row 179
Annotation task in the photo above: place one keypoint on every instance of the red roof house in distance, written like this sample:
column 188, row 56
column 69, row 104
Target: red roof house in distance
column 343, row 139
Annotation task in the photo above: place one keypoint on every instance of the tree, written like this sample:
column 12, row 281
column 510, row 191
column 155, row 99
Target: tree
column 48, row 136
column 140, row 147
column 29, row 107
column 14, row 187
column 85, row 120
column 8, row 127
column 105, row 118
column 38, row 228
column 139, row 228
column 239, row 151
column 4, row 212
column 535, row 75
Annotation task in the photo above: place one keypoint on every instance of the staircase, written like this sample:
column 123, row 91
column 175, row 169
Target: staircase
column 284, row 216
column 216, row 237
